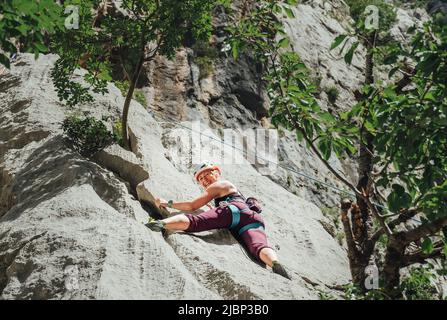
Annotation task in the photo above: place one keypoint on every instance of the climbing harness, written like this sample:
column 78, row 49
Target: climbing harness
column 236, row 216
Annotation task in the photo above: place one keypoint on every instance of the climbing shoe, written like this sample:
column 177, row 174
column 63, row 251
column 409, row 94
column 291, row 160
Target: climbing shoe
column 155, row 225
column 279, row 269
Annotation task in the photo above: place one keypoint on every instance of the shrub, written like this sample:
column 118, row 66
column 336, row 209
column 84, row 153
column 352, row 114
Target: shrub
column 332, row 94
column 204, row 56
column 118, row 132
column 204, row 49
column 140, row 97
column 87, row 136
column 205, row 65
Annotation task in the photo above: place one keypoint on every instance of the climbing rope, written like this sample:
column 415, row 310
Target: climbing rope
column 287, row 168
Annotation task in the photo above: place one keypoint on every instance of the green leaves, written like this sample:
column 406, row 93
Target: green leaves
column 325, row 146
column 386, row 14
column 434, row 201
column 412, row 128
column 235, row 50
column 398, row 198
column 289, row 12
column 291, row 93
column 406, row 129
column 119, row 42
column 4, row 60
column 86, row 135
column 427, row 246
column 338, row 40
column 26, row 22
column 350, row 54
column 418, row 284
column 284, row 42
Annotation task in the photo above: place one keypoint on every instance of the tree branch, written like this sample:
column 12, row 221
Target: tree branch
column 381, row 219
column 352, row 246
column 420, row 257
column 123, row 66
column 424, row 230
column 405, row 81
column 403, row 217
column 309, row 141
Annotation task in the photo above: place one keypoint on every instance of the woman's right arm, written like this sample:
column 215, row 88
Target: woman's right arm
column 197, row 203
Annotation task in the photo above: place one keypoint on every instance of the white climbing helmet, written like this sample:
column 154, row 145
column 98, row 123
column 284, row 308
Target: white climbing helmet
column 204, row 167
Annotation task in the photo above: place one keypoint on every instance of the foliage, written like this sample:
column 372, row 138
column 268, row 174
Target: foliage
column 290, row 91
column 118, row 133
column 413, row 110
column 86, row 135
column 204, row 55
column 106, row 39
column 359, row 12
column 332, row 93
column 419, row 115
column 26, row 24
column 80, row 48
column 138, row 94
column 117, row 38
column 418, row 285
column 354, row 292
column 140, row 97
column 205, row 49
column 323, row 295
column 316, row 81
column 123, row 86
column 369, row 36
column 205, row 65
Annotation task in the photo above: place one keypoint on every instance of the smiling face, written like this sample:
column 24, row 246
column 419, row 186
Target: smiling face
column 208, row 177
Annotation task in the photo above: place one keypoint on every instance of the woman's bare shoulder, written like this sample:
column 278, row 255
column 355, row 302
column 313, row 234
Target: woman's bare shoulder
column 227, row 185
column 223, row 186
column 225, row 182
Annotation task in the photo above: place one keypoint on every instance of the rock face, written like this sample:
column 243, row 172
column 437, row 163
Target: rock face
column 232, row 96
column 71, row 228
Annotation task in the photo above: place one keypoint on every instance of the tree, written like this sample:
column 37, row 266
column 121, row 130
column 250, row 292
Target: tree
column 26, row 25
column 373, row 20
column 378, row 129
column 126, row 37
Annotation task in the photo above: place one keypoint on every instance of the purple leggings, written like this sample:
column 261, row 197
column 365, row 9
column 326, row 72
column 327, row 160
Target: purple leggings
column 221, row 218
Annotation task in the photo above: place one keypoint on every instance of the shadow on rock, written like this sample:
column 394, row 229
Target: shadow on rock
column 51, row 169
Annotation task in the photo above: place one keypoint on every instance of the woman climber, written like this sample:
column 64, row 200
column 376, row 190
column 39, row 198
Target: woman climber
column 230, row 212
